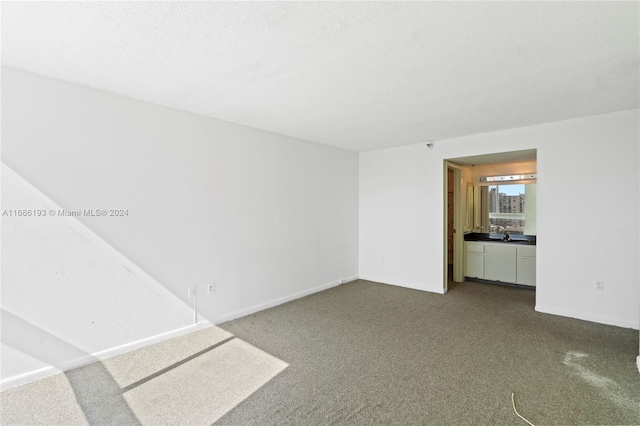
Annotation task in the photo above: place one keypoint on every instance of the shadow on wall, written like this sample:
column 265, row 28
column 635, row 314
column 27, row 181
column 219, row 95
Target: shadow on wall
column 70, row 302
column 58, row 274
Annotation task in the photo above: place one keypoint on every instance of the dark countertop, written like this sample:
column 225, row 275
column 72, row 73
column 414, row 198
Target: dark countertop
column 498, row 238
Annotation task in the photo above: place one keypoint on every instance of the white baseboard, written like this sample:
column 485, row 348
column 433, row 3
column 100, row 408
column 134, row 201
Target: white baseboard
column 618, row 322
column 270, row 304
column 32, row 376
column 349, row 279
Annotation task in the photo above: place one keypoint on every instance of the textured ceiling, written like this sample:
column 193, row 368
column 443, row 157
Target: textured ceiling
column 358, row 75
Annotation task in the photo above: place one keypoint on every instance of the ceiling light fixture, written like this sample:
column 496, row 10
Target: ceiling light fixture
column 526, row 176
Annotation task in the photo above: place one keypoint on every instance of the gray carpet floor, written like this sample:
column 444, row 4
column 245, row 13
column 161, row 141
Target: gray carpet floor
column 368, row 353
column 360, row 353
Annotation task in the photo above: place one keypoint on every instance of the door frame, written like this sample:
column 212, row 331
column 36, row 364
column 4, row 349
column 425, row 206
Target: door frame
column 458, row 255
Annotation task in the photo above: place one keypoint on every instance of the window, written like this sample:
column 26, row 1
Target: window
column 507, row 208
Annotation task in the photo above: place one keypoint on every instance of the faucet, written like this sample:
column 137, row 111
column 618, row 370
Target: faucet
column 506, row 237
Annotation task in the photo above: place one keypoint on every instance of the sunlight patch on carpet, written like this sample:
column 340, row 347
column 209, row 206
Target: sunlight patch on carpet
column 204, row 389
column 193, row 379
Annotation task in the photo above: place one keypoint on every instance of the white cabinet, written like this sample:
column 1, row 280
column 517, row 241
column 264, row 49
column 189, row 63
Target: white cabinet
column 526, row 265
column 474, row 266
column 509, row 263
column 500, row 262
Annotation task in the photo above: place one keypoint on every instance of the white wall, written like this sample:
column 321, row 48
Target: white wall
column 587, row 213
column 266, row 217
column 67, row 297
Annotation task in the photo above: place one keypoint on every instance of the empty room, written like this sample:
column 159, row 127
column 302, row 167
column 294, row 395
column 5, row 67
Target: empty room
column 314, row 213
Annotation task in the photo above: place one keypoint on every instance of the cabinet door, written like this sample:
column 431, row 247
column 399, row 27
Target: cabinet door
column 474, row 265
column 500, row 263
column 526, row 270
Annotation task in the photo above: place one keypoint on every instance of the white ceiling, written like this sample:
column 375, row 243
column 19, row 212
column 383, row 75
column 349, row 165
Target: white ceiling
column 358, row 75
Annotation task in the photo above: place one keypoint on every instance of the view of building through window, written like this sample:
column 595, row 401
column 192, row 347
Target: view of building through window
column 506, row 208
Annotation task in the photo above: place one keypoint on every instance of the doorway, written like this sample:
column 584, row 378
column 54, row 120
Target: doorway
column 476, row 209
column 450, row 221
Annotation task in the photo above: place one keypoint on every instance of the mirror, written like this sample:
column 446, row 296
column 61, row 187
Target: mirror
column 469, row 203
column 502, row 208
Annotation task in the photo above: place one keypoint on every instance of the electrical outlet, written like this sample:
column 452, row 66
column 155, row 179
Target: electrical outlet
column 599, row 286
column 211, row 288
